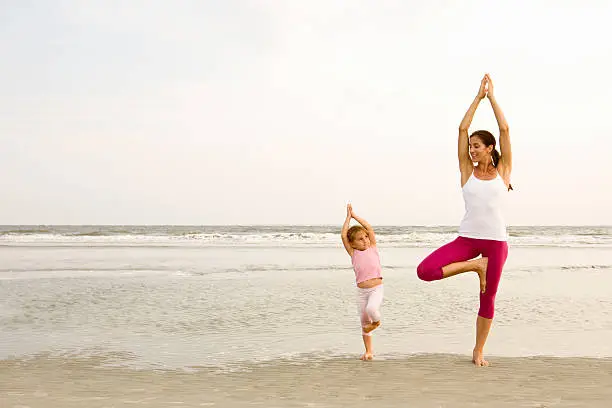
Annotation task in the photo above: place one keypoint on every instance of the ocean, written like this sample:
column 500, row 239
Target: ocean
column 247, row 315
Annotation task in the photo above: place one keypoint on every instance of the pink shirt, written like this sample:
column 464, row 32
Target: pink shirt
column 366, row 264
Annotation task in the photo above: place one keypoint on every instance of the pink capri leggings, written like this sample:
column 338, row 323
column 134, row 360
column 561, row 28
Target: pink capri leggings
column 463, row 249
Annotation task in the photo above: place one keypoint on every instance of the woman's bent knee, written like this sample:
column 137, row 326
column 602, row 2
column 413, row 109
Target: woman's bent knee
column 428, row 272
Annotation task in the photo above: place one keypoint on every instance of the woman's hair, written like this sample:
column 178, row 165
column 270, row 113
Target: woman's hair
column 353, row 231
column 488, row 139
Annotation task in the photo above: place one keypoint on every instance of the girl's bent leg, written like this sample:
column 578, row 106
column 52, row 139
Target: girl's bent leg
column 372, row 309
column 369, row 301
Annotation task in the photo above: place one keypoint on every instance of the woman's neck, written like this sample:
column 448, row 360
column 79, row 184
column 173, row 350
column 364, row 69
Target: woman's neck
column 485, row 168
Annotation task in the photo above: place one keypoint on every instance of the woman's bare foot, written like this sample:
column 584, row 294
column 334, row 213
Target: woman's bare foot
column 481, row 269
column 370, row 326
column 478, row 359
column 366, row 356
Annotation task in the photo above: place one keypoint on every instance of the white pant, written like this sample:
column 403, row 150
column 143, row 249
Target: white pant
column 369, row 301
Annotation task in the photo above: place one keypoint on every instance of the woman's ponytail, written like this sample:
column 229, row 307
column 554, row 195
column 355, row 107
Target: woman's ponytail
column 495, row 157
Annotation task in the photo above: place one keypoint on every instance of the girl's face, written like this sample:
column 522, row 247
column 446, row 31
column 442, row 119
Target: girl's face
column 478, row 151
column 361, row 241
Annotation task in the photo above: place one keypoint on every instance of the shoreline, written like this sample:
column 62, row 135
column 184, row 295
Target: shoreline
column 436, row 380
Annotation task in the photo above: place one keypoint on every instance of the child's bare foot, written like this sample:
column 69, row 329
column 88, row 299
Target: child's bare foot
column 370, row 326
column 366, row 356
column 481, row 269
column 478, row 359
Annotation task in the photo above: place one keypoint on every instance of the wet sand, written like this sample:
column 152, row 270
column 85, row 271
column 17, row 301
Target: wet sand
column 420, row 381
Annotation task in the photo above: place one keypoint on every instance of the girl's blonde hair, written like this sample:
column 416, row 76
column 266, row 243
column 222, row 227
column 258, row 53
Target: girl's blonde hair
column 353, row 231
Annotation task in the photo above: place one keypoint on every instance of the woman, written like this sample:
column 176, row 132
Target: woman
column 482, row 230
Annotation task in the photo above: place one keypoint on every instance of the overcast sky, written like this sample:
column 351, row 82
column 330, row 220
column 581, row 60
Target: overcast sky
column 279, row 112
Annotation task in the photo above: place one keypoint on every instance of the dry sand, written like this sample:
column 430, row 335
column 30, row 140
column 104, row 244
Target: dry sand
column 418, row 381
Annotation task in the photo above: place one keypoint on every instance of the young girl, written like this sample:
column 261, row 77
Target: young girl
column 360, row 243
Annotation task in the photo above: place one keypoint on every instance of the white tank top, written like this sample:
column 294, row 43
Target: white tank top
column 483, row 209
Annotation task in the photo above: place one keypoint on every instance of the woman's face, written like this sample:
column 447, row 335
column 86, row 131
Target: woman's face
column 478, row 151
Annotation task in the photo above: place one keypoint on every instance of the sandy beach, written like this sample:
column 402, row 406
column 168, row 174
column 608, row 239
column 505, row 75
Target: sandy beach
column 419, row 381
